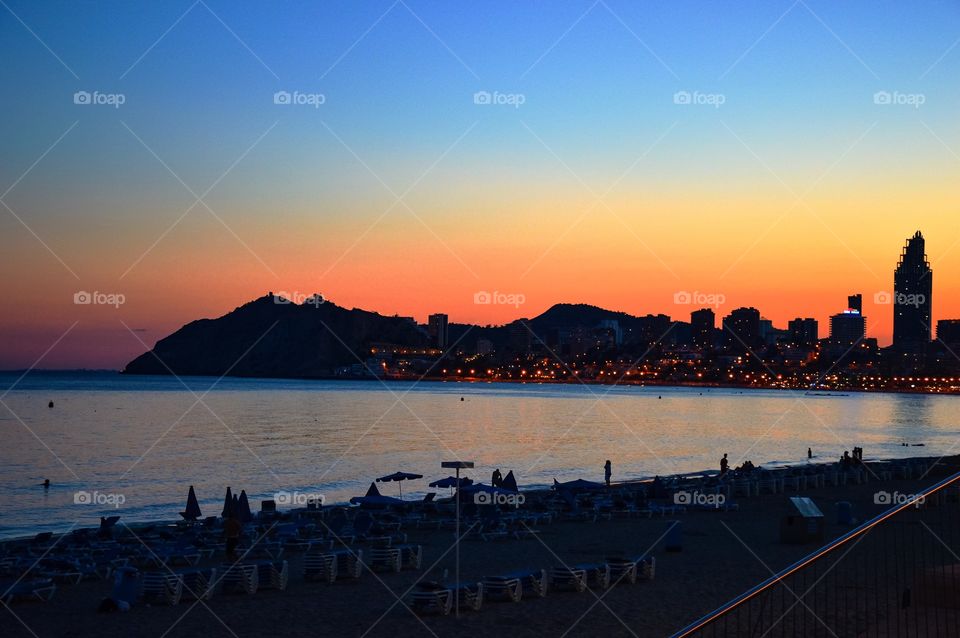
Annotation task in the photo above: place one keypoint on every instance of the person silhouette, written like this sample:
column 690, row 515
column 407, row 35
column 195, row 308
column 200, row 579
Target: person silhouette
column 46, row 484
column 809, row 453
column 496, row 479
column 724, row 464
column 607, row 471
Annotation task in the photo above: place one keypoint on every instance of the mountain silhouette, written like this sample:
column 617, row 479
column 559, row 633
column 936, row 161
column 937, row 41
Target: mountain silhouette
column 272, row 337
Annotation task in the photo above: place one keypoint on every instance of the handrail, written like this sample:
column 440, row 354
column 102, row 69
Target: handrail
column 803, row 562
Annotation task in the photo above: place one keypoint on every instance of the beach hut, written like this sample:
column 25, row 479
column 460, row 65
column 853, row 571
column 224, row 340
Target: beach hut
column 192, row 511
column 805, row 525
column 399, row 477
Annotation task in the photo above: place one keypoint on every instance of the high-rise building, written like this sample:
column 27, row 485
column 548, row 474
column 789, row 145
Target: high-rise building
column 702, row 324
column 803, row 331
column 437, row 329
column 847, row 328
column 948, row 332
column 741, row 328
column 912, row 297
column 855, row 302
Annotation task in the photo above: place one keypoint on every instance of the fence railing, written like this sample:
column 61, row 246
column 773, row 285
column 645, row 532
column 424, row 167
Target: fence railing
column 894, row 575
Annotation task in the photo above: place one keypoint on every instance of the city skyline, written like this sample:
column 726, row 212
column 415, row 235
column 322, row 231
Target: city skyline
column 403, row 160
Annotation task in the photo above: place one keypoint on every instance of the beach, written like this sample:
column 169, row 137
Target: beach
column 724, row 552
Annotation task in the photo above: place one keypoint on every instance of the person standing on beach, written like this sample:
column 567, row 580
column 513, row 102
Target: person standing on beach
column 809, row 453
column 724, row 464
column 607, row 471
column 496, row 479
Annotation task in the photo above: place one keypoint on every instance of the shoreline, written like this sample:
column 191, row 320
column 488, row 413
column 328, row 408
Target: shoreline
column 835, row 392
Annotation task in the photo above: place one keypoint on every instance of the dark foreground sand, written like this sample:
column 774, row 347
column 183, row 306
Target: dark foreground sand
column 724, row 553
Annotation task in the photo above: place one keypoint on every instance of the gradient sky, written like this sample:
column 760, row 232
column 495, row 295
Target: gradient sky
column 798, row 190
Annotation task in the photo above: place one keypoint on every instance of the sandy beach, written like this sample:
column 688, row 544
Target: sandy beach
column 723, row 554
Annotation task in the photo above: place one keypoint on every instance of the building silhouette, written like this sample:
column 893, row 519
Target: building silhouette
column 948, row 332
column 741, row 328
column 437, row 329
column 803, row 331
column 847, row 328
column 912, row 297
column 702, row 324
column 855, row 302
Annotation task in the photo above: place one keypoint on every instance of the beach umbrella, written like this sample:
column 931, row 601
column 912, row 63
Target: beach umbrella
column 451, row 482
column 399, row 477
column 510, row 482
column 373, row 497
column 243, row 512
column 227, row 504
column 192, row 512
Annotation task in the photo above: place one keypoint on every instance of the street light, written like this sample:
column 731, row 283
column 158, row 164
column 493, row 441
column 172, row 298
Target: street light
column 457, row 465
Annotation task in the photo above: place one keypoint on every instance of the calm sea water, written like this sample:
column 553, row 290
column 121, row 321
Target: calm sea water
column 149, row 438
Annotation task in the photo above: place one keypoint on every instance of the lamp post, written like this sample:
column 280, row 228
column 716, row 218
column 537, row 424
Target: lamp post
column 457, row 465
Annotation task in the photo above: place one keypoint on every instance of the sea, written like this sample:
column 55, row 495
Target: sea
column 131, row 446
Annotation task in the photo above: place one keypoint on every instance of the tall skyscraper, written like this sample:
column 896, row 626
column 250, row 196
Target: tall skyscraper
column 437, row 329
column 702, row 324
column 912, row 297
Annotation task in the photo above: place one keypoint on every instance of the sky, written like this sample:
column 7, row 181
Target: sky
column 182, row 158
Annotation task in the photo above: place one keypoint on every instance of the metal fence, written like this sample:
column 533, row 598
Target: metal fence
column 894, row 575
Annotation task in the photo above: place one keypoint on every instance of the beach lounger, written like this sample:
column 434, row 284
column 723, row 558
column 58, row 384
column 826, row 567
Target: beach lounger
column 431, row 599
column 198, row 583
column 531, row 583
column 319, row 566
column 384, row 559
column 272, row 574
column 470, row 595
column 597, row 574
column 161, row 587
column 572, row 578
column 349, row 563
column 41, row 589
column 622, row 571
column 503, row 588
column 239, row 578
column 411, row 556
